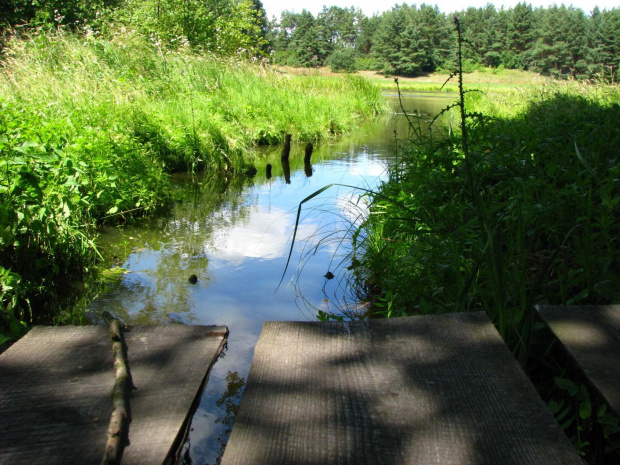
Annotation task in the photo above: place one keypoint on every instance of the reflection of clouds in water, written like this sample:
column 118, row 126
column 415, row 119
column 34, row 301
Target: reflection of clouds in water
column 369, row 168
column 264, row 235
column 352, row 207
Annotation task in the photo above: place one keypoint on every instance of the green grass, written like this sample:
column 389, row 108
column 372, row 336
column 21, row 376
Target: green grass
column 91, row 127
column 535, row 221
column 525, row 210
column 484, row 79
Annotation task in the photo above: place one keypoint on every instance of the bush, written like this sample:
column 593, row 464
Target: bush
column 529, row 216
column 90, row 128
column 367, row 63
column 342, row 60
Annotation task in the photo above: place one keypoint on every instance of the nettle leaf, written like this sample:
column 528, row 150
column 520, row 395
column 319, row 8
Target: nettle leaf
column 112, row 210
column 585, row 410
column 566, row 385
column 72, row 182
column 17, row 161
column 66, row 211
column 47, row 158
column 554, row 406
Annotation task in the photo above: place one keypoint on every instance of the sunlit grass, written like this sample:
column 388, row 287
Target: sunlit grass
column 91, row 127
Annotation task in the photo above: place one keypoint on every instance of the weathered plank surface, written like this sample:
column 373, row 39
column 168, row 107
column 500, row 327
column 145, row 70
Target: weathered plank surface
column 591, row 335
column 440, row 389
column 56, row 385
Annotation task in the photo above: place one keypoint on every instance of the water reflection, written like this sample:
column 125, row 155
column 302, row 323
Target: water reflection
column 286, row 169
column 234, row 234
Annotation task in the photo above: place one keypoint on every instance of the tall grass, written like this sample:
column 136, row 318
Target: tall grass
column 91, row 126
column 534, row 221
column 192, row 110
column 516, row 204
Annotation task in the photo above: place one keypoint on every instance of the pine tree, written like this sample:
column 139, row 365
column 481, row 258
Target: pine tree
column 604, row 44
column 304, row 42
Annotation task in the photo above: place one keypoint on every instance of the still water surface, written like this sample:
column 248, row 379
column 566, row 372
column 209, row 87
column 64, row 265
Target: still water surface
column 235, row 236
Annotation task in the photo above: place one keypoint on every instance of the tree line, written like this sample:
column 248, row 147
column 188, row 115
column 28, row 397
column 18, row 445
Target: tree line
column 412, row 40
column 407, row 40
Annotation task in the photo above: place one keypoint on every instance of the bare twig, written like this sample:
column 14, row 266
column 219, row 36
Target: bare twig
column 122, row 386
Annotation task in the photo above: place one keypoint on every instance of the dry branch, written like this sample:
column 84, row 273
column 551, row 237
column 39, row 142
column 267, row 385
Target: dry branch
column 122, row 385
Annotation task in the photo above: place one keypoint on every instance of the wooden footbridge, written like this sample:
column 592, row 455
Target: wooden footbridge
column 440, row 389
column 56, row 388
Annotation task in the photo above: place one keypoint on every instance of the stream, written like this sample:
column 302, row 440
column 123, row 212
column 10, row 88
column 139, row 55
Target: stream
column 235, row 235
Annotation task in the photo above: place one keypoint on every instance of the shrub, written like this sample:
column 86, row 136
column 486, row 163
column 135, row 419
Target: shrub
column 342, row 60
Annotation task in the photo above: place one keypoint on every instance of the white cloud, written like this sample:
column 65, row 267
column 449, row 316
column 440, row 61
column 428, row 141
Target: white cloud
column 265, row 235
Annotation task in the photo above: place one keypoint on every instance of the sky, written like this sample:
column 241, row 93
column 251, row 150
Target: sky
column 369, row 7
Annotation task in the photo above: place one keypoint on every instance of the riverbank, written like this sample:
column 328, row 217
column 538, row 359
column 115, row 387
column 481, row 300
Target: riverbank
column 91, row 127
column 485, row 79
column 522, row 209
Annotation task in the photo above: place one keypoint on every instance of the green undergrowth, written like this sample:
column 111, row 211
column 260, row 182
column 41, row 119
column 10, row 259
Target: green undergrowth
column 518, row 206
column 529, row 217
column 91, row 127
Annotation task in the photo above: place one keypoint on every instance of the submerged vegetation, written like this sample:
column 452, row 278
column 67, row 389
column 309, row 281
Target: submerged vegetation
column 91, row 126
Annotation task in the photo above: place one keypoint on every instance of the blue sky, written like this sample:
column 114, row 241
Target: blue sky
column 275, row 7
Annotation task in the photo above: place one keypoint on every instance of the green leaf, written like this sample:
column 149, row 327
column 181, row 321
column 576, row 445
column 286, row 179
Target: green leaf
column 585, row 410
column 567, row 423
column 554, row 406
column 566, row 385
column 583, row 161
column 582, row 295
column 112, row 210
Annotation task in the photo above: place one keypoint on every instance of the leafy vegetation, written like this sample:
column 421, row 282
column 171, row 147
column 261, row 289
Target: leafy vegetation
column 514, row 203
column 414, row 40
column 92, row 123
column 529, row 216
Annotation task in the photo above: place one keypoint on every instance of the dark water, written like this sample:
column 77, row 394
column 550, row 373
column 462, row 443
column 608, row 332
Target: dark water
column 235, row 236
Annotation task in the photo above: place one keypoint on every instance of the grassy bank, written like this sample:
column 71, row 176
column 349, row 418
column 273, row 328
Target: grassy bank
column 90, row 128
column 485, row 79
column 530, row 217
column 522, row 209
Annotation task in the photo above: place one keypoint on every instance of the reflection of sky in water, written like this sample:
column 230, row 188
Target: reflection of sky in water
column 246, row 261
column 239, row 250
column 239, row 255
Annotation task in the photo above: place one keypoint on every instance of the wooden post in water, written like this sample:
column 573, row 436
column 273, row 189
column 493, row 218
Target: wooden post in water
column 268, row 170
column 309, row 150
column 307, row 164
column 286, row 150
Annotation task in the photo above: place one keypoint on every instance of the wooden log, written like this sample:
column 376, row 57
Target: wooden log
column 286, row 168
column 590, row 334
column 307, row 156
column 56, row 385
column 309, row 150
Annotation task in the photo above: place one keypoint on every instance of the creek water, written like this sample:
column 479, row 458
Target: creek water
column 235, row 236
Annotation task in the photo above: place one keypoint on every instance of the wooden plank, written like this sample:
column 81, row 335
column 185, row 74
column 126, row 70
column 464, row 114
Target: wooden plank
column 56, row 385
column 440, row 389
column 591, row 335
